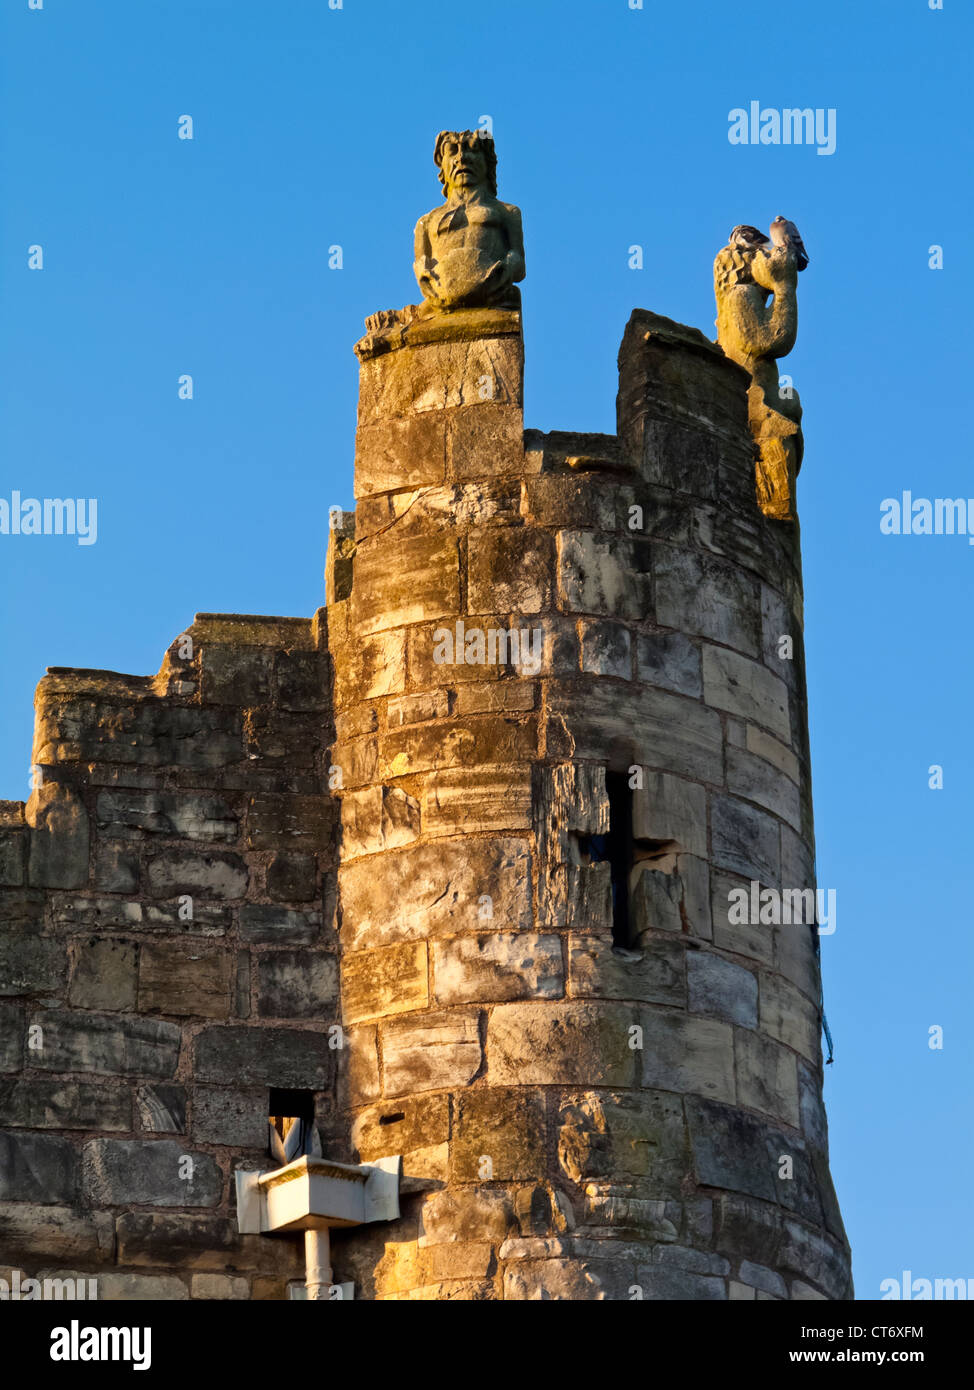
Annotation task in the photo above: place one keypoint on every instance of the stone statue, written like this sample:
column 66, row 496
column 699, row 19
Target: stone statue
column 755, row 282
column 470, row 253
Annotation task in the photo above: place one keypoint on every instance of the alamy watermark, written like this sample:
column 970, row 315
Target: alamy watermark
column 495, row 646
column 772, row 907
column 50, row 516
column 919, row 1290
column 791, row 125
column 23, row 1290
column 924, row 516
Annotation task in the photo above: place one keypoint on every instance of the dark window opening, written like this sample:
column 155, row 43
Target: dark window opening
column 616, row 850
column 291, row 1124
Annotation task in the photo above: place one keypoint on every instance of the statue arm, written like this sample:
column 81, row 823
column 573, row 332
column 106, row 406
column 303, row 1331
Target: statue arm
column 423, row 265
column 515, row 256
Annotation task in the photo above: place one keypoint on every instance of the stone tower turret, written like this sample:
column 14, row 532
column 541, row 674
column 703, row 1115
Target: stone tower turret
column 571, row 728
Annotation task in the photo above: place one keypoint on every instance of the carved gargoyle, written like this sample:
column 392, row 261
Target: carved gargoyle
column 755, row 283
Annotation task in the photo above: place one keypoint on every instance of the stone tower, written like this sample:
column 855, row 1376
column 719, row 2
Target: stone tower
column 465, row 858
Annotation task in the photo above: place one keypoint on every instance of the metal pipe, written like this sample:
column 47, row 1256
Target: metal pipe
column 317, row 1263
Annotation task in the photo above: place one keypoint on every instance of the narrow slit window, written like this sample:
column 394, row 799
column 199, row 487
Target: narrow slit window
column 615, row 849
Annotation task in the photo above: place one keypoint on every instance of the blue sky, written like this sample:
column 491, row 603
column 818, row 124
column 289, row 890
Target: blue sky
column 314, row 127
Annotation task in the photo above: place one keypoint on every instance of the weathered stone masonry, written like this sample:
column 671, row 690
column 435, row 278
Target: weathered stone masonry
column 374, row 836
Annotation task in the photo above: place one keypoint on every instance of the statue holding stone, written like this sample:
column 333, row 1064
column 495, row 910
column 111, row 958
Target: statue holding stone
column 755, row 282
column 469, row 253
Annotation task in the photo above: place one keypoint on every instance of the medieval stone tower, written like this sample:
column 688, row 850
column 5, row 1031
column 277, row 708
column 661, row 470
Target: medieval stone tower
column 451, row 868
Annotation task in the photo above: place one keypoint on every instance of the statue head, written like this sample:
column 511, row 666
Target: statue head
column 466, row 159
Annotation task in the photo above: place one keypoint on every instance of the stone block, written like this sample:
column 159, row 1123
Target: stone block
column 468, row 1214
column 752, row 778
column 578, row 1043
column 499, row 1136
column 605, row 1138
column 606, row 649
column 185, row 978
column 219, row 1286
column 362, row 1065
column 373, row 666
column 731, row 1150
column 389, row 980
column 201, row 1242
column 13, row 1035
column 405, row 581
column 653, row 728
column 141, row 1288
column 667, row 808
column 136, row 815
column 417, row 709
column 742, row 687
column 669, row 660
column 236, row 1118
column 441, row 376
column 767, row 1077
column 104, row 975
column 116, row 868
column 216, row 875
column 400, row 453
column 292, row 876
column 59, row 838
column 159, row 1173
column 740, row 938
column 45, row 1232
column 762, row 745
column 760, row 1277
column 665, row 1282
column 37, row 1168
column 69, row 1042
column 706, row 597
column 482, row 799
column 13, row 856
column 653, row 975
column 430, row 1052
column 401, row 1126
column 789, row 1016
column 29, row 963
column 570, row 1280
column 297, row 984
column 718, row 987
column 64, row 1105
column 272, row 925
column 598, row 574
column 486, row 441
column 509, row 571
column 243, row 1056
column 378, row 818
column 685, row 1053
column 437, row 890
column 497, row 967
column 161, row 1108
column 796, row 957
column 815, row 1258
column 745, row 840
column 291, row 822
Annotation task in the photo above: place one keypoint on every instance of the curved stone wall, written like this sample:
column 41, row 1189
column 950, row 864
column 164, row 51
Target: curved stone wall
column 591, row 1101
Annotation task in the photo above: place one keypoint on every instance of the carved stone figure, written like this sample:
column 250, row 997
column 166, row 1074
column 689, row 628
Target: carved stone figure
column 755, row 283
column 470, row 253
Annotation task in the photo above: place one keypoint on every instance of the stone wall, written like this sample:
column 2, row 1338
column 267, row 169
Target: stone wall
column 306, row 822
column 167, row 955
